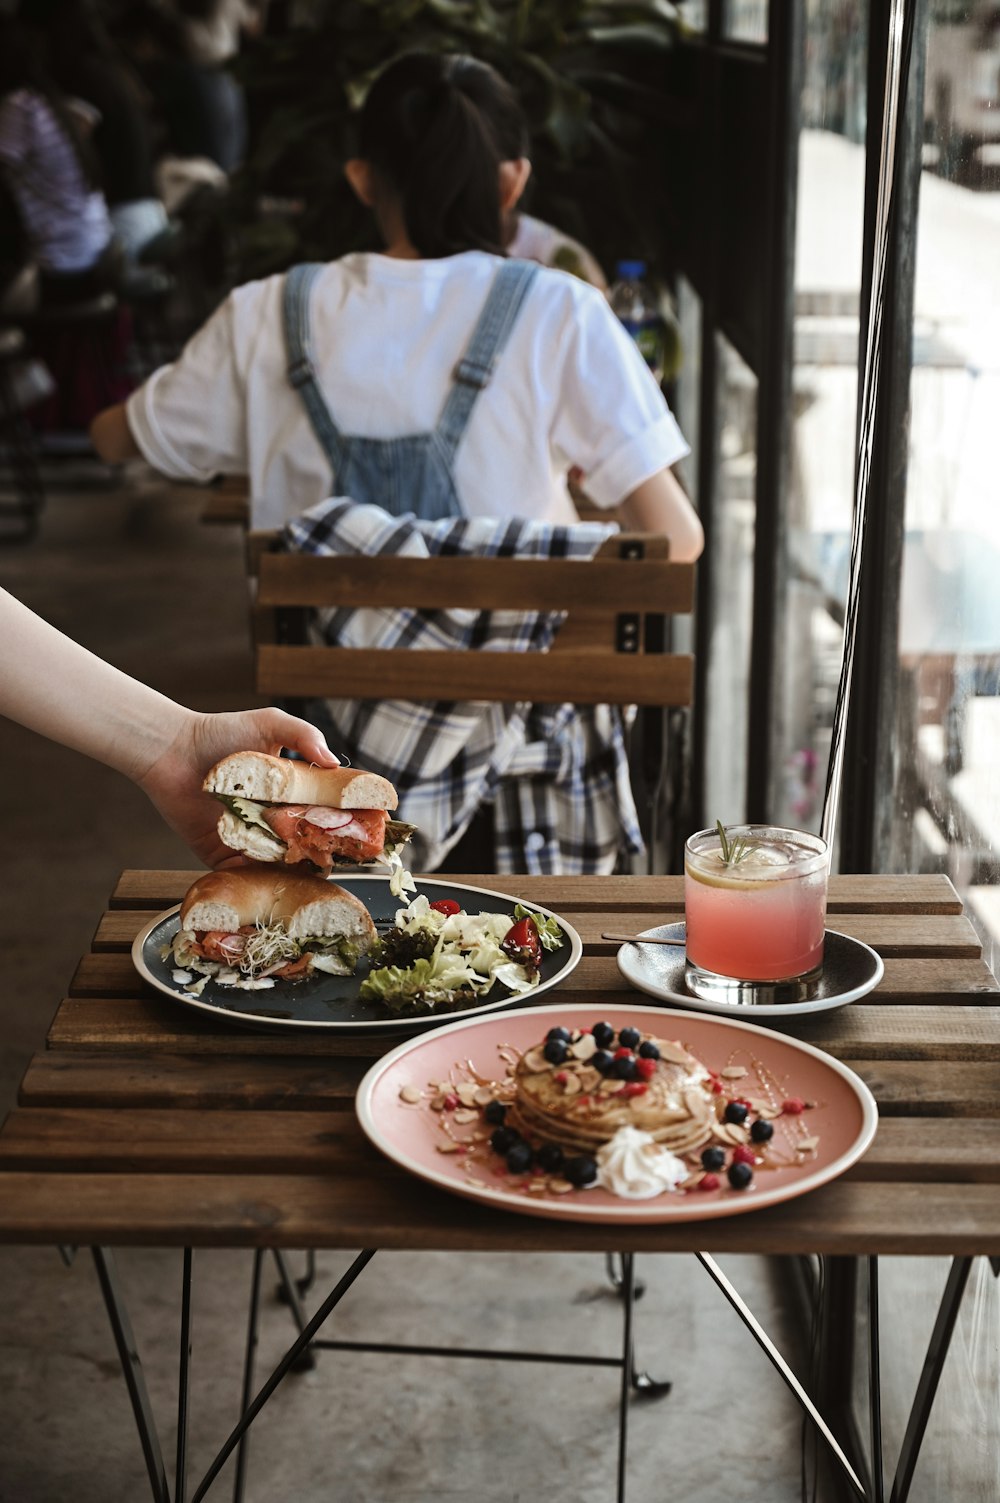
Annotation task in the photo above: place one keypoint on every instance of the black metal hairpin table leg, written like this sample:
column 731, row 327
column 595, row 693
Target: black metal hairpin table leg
column 303, row 1340
column 253, row 1320
column 303, row 1284
column 614, row 1267
column 937, row 1351
column 777, row 1360
column 183, row 1379
column 628, row 1296
column 875, row 1384
column 128, row 1356
column 290, row 1290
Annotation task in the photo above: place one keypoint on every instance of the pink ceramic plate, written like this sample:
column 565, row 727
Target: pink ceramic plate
column 842, row 1118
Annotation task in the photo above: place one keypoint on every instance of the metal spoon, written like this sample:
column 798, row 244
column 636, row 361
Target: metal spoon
column 642, row 939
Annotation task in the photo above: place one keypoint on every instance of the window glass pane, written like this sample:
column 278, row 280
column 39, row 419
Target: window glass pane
column 948, row 817
column 745, row 20
column 687, row 391
column 824, row 400
column 731, row 609
column 694, row 14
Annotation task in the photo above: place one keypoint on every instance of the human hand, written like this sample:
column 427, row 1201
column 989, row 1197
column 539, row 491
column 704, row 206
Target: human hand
column 173, row 782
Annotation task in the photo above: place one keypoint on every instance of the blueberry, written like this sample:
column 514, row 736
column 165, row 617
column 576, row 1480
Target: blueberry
column 736, row 1112
column 559, row 1033
column 550, row 1157
column 629, row 1038
column 602, row 1060
column 604, row 1035
column 713, row 1158
column 502, row 1139
column 762, row 1131
column 495, row 1113
column 556, row 1051
column 739, row 1175
column 649, row 1050
column 622, row 1067
column 580, row 1171
column 519, row 1157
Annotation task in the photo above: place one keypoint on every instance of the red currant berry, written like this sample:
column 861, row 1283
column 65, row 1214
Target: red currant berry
column 646, row 1068
column 793, row 1107
column 744, row 1155
column 708, row 1182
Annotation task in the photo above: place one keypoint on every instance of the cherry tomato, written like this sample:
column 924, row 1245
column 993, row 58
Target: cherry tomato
column 521, row 943
column 447, row 906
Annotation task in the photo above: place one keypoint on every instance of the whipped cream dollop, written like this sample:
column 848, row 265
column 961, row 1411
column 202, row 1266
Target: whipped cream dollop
column 633, row 1165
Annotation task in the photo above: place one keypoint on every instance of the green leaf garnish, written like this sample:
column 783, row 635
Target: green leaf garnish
column 733, row 851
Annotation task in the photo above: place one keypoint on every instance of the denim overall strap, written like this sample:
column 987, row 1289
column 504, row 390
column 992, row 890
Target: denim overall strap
column 301, row 374
column 499, row 315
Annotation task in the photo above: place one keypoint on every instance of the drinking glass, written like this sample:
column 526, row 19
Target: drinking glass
column 755, row 912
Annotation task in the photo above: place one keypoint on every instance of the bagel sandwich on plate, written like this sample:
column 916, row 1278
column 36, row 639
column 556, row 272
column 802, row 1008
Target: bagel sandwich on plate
column 252, row 926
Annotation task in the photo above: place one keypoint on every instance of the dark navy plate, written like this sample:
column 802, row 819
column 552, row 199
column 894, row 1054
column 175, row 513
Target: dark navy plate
column 332, row 1002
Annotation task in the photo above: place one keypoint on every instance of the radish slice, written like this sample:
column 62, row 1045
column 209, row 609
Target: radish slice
column 328, row 819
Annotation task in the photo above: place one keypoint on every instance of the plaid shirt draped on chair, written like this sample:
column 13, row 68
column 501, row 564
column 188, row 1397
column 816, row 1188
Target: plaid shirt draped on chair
column 556, row 775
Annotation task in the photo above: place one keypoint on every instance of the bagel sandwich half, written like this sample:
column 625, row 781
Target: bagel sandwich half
column 290, row 812
column 252, row 926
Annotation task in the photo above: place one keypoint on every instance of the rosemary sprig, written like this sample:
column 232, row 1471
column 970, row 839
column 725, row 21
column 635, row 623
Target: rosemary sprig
column 733, row 851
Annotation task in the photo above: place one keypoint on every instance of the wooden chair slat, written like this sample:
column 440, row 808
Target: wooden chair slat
column 513, row 584
column 498, row 677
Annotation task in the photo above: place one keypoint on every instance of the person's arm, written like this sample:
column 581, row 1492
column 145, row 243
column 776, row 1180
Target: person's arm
column 111, row 436
column 660, row 505
column 52, row 685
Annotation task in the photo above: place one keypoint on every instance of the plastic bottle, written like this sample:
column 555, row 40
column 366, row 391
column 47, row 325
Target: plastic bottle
column 634, row 304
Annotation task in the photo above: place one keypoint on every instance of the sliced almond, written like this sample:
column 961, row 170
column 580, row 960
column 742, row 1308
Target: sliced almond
column 450, row 1147
column 536, row 1187
column 571, row 1085
column 411, row 1094
column 483, row 1096
column 535, row 1061
column 805, row 1144
column 674, row 1053
column 559, row 1186
column 733, row 1072
column 465, row 1115
column 466, row 1092
column 437, row 1105
column 584, row 1047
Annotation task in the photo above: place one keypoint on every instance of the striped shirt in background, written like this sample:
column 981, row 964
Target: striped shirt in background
column 556, row 775
column 65, row 221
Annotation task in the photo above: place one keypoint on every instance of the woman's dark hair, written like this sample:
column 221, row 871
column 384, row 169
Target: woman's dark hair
column 436, row 128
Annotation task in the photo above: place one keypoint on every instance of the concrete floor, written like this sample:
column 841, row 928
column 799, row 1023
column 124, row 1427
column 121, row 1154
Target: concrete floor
column 128, row 570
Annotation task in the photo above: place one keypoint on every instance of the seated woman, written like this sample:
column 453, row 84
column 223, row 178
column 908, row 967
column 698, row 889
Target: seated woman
column 437, row 377
column 52, row 176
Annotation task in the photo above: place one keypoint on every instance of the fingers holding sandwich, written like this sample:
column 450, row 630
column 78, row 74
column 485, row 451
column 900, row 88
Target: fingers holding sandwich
column 174, row 781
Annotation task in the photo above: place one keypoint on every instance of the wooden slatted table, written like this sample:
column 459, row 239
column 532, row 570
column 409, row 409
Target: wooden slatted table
column 143, row 1123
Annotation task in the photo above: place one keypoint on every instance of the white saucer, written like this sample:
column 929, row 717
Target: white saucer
column 850, row 970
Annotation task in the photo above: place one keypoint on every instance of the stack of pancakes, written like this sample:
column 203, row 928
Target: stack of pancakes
column 575, row 1106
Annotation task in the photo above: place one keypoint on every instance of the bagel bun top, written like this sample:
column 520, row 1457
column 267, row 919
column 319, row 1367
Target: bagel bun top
column 308, row 907
column 281, row 780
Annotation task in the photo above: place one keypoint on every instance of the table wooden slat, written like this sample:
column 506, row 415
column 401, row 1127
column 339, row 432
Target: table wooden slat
column 394, row 1210
column 930, row 893
column 863, row 1030
column 157, row 1140
column 890, row 935
column 927, row 977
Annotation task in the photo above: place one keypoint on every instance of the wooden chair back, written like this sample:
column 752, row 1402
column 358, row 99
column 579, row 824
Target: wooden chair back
column 609, row 649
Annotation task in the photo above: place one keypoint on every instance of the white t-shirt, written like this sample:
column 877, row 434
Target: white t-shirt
column 569, row 389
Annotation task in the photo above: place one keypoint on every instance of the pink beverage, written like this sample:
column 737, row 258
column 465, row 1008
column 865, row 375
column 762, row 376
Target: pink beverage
column 758, row 916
